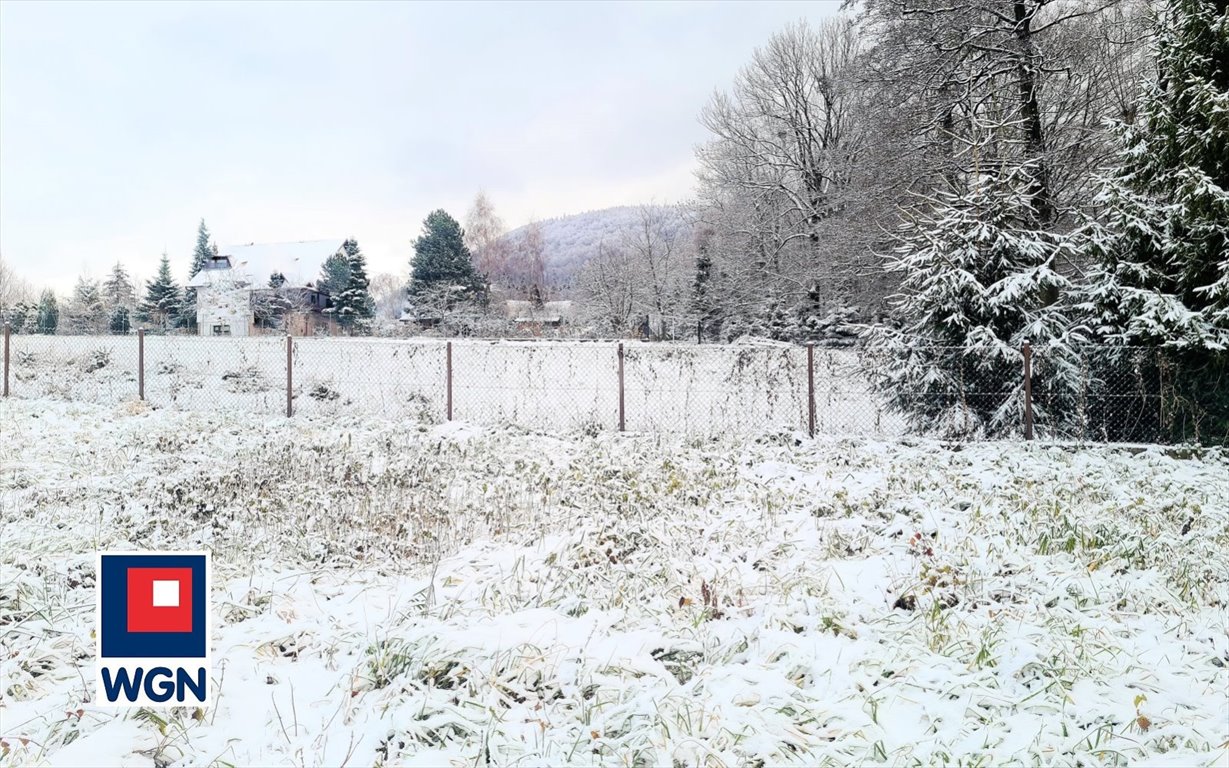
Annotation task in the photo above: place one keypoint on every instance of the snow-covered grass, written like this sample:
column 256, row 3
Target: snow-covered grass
column 401, row 593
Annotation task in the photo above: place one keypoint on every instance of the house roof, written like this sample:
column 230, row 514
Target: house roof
column 300, row 261
column 549, row 311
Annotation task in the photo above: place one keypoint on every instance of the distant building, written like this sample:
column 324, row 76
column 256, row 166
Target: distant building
column 264, row 288
column 549, row 314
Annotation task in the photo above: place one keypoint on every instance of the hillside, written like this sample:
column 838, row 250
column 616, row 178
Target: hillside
column 571, row 241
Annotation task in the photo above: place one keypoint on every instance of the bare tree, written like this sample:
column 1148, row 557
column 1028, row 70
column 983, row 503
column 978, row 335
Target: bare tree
column 788, row 141
column 527, row 268
column 388, row 291
column 609, row 286
column 484, row 236
column 13, row 289
column 655, row 251
column 788, row 127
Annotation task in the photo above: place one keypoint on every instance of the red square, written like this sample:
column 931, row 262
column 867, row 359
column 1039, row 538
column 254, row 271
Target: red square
column 144, row 616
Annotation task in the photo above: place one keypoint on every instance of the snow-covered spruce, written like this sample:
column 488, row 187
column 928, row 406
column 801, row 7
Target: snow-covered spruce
column 978, row 279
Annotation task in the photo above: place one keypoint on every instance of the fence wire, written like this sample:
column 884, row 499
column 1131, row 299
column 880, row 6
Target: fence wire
column 1102, row 394
column 94, row 369
column 550, row 386
column 383, row 377
column 211, row 373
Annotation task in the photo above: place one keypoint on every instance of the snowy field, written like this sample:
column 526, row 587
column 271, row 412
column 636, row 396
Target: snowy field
column 407, row 593
column 557, row 385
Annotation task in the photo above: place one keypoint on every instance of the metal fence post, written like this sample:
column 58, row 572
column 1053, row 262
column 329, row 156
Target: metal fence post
column 448, row 378
column 141, row 363
column 7, row 330
column 622, row 412
column 811, row 389
column 289, row 375
column 1028, row 390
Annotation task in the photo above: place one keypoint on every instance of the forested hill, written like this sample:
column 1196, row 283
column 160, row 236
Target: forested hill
column 571, row 241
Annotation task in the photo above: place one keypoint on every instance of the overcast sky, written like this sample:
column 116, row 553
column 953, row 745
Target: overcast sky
column 122, row 125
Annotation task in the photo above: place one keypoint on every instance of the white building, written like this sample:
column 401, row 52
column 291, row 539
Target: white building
column 230, row 288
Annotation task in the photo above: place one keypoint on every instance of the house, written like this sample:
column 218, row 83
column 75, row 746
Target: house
column 250, row 289
column 532, row 315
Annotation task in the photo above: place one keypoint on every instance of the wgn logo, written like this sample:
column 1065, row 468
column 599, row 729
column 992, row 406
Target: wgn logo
column 153, row 639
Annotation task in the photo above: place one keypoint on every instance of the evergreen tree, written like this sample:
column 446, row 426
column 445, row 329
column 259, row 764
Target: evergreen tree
column 354, row 306
column 335, row 273
column 23, row 316
column 203, row 251
column 185, row 313
column 1161, row 247
column 977, row 280
column 441, row 259
column 86, row 313
column 119, row 322
column 48, row 313
column 703, row 301
column 163, row 300
column 117, row 289
column 774, row 320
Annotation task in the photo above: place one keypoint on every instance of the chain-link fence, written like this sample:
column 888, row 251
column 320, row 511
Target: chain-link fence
column 1104, row 394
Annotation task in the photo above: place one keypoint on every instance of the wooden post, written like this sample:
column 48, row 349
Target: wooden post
column 289, row 375
column 448, row 378
column 1028, row 390
column 622, row 412
column 7, row 331
column 141, row 363
column 811, row 389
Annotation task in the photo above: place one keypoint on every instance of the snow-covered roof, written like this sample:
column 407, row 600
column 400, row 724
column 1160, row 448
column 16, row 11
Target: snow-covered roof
column 220, row 278
column 550, row 311
column 300, row 262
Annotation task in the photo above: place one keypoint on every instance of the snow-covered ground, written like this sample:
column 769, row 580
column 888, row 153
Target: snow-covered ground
column 406, row 593
column 557, row 385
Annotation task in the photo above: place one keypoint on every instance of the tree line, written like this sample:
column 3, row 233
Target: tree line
column 951, row 178
column 115, row 304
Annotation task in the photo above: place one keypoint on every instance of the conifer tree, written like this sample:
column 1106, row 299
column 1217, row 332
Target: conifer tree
column 203, row 251
column 354, row 306
column 163, row 300
column 441, row 258
column 86, row 313
column 117, row 289
column 978, row 278
column 1161, row 247
column 703, row 302
column 335, row 273
column 48, row 313
column 185, row 313
column 119, row 321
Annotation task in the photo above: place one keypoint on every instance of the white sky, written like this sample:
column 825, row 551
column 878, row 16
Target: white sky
column 123, row 124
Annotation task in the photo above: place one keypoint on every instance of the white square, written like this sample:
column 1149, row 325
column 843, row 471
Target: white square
column 166, row 594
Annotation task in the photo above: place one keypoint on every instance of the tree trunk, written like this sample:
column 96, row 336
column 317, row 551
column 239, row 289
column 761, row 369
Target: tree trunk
column 1030, row 111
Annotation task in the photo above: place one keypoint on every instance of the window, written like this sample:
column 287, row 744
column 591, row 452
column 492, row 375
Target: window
column 221, row 330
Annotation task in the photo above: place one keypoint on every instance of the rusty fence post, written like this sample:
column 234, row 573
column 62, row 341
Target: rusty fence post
column 141, row 363
column 289, row 375
column 811, row 389
column 622, row 411
column 448, row 379
column 1027, row 349
column 7, row 331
